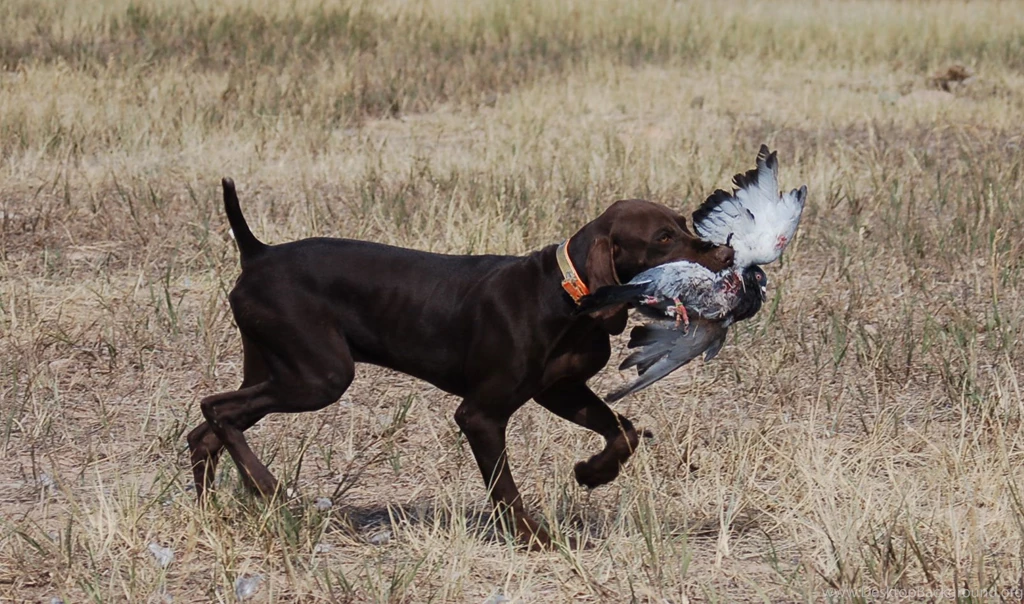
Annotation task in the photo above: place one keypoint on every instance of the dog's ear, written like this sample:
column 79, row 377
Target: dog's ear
column 600, row 269
column 601, row 264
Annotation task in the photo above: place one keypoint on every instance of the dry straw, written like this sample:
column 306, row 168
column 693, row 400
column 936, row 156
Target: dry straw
column 862, row 433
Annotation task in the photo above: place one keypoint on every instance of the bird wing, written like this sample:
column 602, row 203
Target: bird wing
column 610, row 295
column 665, row 349
column 681, row 280
column 755, row 220
column 671, row 279
column 663, row 283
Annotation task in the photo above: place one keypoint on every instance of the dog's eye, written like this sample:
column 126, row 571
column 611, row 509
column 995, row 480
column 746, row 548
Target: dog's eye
column 664, row 238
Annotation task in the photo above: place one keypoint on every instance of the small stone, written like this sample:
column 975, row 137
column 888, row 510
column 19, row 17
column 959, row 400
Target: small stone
column 46, row 481
column 498, row 598
column 380, row 538
column 322, row 548
column 163, row 555
column 324, row 503
column 247, row 585
column 56, row 600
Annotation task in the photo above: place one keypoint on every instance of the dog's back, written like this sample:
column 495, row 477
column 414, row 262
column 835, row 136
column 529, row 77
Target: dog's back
column 408, row 310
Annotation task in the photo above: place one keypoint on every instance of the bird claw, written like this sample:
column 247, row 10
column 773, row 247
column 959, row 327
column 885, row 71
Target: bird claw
column 681, row 316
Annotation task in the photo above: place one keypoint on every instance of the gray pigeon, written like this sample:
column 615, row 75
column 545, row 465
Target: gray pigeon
column 758, row 223
column 694, row 308
column 667, row 345
column 677, row 289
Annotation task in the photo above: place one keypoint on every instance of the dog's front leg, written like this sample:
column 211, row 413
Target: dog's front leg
column 484, row 426
column 577, row 403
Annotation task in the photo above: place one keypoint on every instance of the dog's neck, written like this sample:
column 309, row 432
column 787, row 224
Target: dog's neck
column 564, row 305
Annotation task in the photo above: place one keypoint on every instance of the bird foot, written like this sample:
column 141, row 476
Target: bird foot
column 681, row 315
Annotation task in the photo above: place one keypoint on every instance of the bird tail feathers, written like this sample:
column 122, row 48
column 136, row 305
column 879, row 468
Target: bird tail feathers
column 764, row 177
column 654, row 341
column 797, row 197
column 664, row 349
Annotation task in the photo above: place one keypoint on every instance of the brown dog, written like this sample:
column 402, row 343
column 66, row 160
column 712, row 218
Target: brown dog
column 493, row 330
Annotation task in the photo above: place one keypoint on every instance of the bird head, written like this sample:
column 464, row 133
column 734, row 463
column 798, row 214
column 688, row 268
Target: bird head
column 759, row 280
column 755, row 283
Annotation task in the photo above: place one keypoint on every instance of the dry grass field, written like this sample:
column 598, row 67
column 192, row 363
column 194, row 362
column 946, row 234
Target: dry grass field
column 861, row 439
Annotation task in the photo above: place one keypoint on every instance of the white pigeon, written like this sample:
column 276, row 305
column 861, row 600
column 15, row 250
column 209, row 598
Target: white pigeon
column 754, row 220
column 758, row 223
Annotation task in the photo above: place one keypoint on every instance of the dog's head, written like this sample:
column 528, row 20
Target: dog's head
column 632, row 236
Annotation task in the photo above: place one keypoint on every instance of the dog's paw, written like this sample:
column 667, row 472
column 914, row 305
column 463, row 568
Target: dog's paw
column 591, row 475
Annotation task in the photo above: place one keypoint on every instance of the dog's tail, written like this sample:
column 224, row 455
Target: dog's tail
column 248, row 245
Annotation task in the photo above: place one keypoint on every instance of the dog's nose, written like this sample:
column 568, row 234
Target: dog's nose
column 724, row 255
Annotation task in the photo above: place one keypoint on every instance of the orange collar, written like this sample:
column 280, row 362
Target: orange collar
column 571, row 282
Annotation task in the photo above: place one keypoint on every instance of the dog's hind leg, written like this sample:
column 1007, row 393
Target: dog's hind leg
column 204, row 446
column 300, row 374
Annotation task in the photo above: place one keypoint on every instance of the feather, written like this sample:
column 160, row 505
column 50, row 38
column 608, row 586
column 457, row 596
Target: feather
column 666, row 349
column 654, row 340
column 610, row 295
column 755, row 220
column 655, row 291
